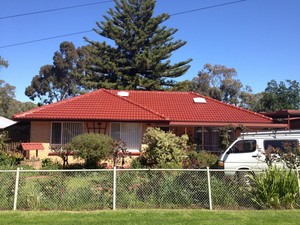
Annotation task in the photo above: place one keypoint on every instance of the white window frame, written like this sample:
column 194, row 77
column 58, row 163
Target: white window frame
column 62, row 131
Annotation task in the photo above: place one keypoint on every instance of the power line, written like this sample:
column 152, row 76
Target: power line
column 208, row 7
column 52, row 10
column 83, row 32
column 45, row 39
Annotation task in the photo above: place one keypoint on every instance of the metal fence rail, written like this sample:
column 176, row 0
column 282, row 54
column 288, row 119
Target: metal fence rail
column 122, row 189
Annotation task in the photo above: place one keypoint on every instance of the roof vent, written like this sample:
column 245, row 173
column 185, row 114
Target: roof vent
column 123, row 93
column 199, row 100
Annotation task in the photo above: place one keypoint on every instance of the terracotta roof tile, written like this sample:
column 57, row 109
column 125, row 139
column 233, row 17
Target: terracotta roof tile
column 32, row 146
column 143, row 106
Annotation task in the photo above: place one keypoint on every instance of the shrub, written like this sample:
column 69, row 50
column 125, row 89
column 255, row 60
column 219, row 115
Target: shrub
column 163, row 149
column 289, row 155
column 3, row 140
column 200, row 160
column 92, row 148
column 4, row 158
column 12, row 159
column 48, row 164
column 163, row 189
column 276, row 188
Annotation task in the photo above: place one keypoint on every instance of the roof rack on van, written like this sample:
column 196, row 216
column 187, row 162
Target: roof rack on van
column 273, row 133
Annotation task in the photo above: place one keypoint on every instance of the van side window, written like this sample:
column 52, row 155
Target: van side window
column 281, row 144
column 244, row 146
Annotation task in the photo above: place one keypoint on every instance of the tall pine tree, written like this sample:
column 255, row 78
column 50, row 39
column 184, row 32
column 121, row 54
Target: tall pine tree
column 139, row 57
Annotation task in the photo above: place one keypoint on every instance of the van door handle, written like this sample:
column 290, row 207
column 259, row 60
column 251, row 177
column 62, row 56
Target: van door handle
column 254, row 156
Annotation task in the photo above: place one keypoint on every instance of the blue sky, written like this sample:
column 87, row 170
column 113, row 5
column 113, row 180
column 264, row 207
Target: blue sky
column 259, row 38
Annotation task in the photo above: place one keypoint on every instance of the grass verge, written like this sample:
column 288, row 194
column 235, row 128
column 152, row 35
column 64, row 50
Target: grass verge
column 145, row 217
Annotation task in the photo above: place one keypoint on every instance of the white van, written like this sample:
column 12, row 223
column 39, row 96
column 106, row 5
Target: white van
column 248, row 151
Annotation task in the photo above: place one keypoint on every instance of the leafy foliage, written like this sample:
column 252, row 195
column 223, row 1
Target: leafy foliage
column 8, row 104
column 61, row 80
column 289, row 155
column 140, row 56
column 218, row 82
column 226, row 135
column 3, row 140
column 9, row 159
column 200, row 160
column 282, row 95
column 7, row 94
column 92, row 148
column 3, row 62
column 163, row 149
column 276, row 188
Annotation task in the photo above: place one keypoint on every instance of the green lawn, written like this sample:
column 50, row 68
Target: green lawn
column 161, row 217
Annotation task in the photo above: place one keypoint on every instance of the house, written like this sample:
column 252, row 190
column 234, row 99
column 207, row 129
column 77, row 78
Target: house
column 286, row 116
column 4, row 122
column 126, row 115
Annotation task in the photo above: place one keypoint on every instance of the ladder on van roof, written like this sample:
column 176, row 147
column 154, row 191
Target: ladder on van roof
column 272, row 133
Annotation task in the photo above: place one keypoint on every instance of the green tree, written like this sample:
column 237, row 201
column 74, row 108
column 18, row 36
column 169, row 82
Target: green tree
column 7, row 94
column 185, row 85
column 60, row 80
column 249, row 100
column 8, row 104
column 279, row 96
column 139, row 56
column 218, row 82
column 3, row 62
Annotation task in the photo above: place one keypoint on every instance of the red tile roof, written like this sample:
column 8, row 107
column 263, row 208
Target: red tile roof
column 143, row 106
column 32, row 146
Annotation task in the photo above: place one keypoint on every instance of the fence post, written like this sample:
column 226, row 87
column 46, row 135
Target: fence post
column 114, row 187
column 16, row 189
column 209, row 189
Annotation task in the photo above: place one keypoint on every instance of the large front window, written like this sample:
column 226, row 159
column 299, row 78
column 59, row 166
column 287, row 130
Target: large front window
column 63, row 132
column 130, row 133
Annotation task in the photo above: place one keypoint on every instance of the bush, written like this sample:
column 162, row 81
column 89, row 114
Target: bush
column 3, row 140
column 163, row 149
column 12, row 159
column 200, row 160
column 276, row 188
column 48, row 164
column 92, row 148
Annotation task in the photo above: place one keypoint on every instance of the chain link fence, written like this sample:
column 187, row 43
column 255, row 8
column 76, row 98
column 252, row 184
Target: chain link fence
column 123, row 189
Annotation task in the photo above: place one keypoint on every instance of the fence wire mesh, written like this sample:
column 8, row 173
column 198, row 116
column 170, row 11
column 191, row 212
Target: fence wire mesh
column 7, row 189
column 134, row 189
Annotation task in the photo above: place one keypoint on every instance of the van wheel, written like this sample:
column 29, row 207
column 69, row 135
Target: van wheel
column 245, row 178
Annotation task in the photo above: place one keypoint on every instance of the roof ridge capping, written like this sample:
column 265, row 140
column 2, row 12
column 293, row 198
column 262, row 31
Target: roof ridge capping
column 233, row 106
column 132, row 102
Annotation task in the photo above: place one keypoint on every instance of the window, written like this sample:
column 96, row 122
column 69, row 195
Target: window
column 63, row 132
column 130, row 133
column 116, row 131
column 280, row 144
column 244, row 146
column 165, row 129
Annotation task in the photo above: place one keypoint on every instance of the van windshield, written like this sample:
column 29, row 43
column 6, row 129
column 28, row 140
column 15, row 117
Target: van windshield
column 244, row 146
